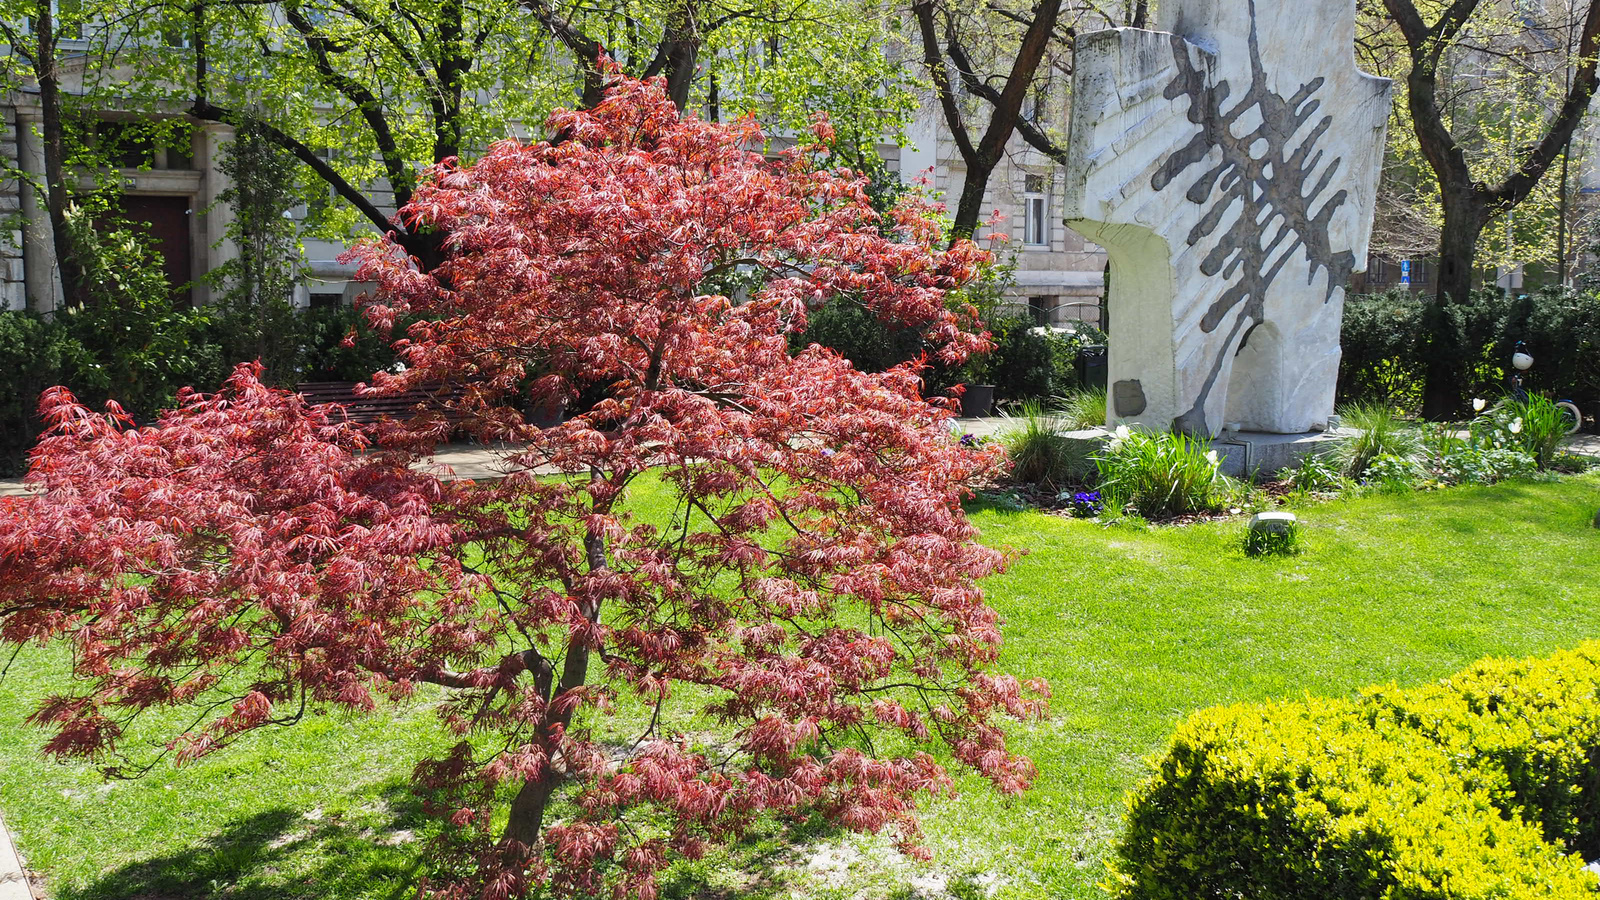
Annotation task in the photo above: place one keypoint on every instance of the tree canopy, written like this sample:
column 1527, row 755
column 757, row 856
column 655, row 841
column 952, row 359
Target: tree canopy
column 813, row 589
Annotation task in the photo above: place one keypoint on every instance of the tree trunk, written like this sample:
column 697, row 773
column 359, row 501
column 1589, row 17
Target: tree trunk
column 526, row 822
column 683, row 57
column 969, row 211
column 1464, row 221
column 55, row 154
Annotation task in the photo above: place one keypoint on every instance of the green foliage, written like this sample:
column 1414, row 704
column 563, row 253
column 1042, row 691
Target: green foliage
column 1381, row 336
column 1534, row 425
column 1391, row 472
column 845, row 325
column 1318, row 472
column 139, row 344
column 1265, row 542
column 1022, row 365
column 34, row 352
column 1161, row 474
column 1084, row 409
column 1512, row 439
column 1477, row 787
column 1039, row 451
column 1031, row 362
column 322, row 335
column 1490, row 465
column 1379, row 431
column 254, row 308
column 1383, row 360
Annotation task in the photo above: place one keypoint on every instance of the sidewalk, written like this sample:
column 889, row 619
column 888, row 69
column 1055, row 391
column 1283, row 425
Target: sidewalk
column 478, row 463
column 456, row 462
column 13, row 878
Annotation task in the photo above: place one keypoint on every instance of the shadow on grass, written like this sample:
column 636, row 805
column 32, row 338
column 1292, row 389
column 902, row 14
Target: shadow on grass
column 765, row 862
column 279, row 854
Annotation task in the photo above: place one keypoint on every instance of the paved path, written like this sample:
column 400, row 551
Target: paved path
column 13, row 879
column 457, row 461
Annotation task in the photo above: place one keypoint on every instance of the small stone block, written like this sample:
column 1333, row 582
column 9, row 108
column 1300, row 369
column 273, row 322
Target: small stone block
column 1273, row 522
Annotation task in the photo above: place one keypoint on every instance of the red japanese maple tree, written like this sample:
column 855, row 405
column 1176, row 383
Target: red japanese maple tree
column 810, row 591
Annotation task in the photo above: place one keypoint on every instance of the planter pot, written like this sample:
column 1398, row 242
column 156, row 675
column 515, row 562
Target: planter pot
column 977, row 402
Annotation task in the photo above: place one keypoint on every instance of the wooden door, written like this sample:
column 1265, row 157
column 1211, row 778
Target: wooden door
column 169, row 221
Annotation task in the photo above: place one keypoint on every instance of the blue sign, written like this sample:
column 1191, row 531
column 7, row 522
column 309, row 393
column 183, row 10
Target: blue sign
column 1405, row 271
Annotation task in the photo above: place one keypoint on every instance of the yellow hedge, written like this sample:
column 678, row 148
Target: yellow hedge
column 1486, row 785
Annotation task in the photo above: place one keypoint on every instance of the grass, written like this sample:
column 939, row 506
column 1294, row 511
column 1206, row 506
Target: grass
column 1135, row 628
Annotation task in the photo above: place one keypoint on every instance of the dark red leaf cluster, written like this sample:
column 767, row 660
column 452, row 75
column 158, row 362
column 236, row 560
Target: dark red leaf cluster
column 811, row 595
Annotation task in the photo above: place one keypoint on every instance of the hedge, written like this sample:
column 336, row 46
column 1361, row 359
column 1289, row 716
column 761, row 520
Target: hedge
column 1385, row 347
column 1482, row 786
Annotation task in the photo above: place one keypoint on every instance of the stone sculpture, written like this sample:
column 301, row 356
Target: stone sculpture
column 1228, row 163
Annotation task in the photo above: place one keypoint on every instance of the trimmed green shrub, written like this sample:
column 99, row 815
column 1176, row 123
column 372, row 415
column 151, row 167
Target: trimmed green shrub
column 1382, row 340
column 1161, row 474
column 844, row 324
column 1481, row 786
column 1385, row 345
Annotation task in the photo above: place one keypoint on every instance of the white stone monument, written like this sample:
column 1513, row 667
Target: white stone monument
column 1228, row 163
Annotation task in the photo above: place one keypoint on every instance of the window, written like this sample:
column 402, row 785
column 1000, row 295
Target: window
column 176, row 31
column 327, row 301
column 1043, row 309
column 1037, row 102
column 1036, row 207
column 68, row 24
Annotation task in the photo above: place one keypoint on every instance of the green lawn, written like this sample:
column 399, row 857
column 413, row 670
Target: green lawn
column 1134, row 629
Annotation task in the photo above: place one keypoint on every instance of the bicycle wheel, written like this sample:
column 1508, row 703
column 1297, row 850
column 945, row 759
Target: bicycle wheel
column 1572, row 415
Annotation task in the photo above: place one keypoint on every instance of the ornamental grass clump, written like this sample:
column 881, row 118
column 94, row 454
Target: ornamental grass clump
column 1161, row 474
column 1379, row 432
column 1084, row 409
column 1037, row 449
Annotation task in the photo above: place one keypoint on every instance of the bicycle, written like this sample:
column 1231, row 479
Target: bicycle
column 1521, row 362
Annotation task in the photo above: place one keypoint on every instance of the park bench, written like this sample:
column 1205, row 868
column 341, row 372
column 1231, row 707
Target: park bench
column 365, row 410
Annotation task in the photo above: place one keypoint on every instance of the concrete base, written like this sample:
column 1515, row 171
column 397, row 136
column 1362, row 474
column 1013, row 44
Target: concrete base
column 1243, row 454
column 1247, row 454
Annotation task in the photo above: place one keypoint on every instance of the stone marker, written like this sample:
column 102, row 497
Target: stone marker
column 1229, row 164
column 1273, row 522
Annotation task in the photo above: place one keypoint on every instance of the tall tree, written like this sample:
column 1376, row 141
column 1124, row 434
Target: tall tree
column 812, row 584
column 396, row 86
column 938, row 28
column 1468, row 201
column 1001, row 55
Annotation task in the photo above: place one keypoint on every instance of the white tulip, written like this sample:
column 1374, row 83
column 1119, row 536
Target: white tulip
column 1516, row 427
column 1211, row 457
column 1478, row 404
